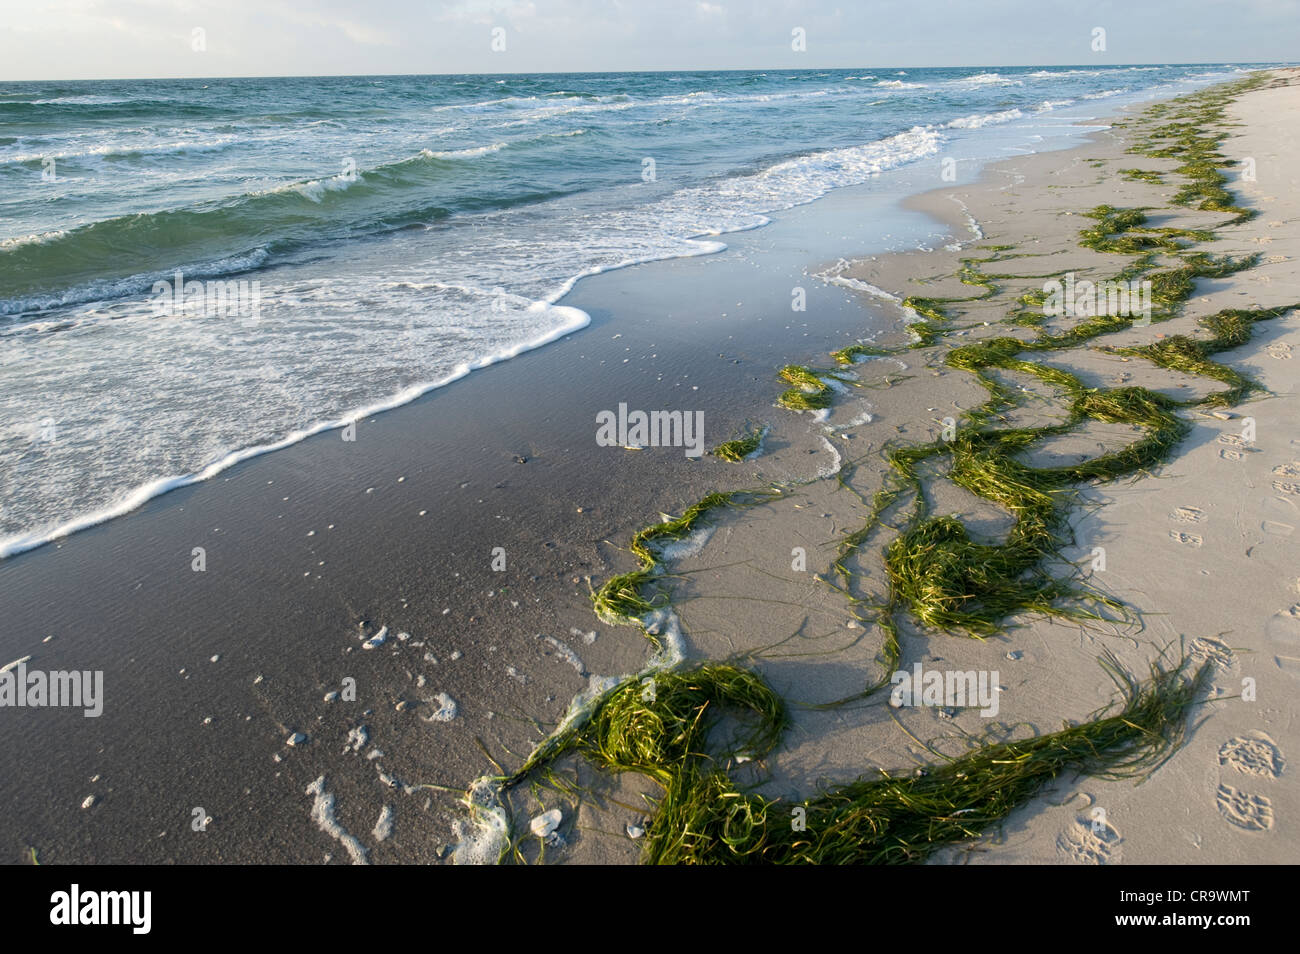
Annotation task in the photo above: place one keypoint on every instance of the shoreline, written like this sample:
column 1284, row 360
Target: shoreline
column 280, row 706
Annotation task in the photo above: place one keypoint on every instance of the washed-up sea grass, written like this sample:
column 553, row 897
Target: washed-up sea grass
column 739, row 448
column 1197, row 128
column 852, row 353
column 1231, row 328
column 1124, row 232
column 809, row 392
column 676, row 736
column 935, row 572
column 626, row 599
column 1143, row 175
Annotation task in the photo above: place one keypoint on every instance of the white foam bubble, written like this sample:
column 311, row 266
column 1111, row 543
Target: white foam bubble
column 383, row 829
column 446, row 711
column 567, row 654
column 322, row 813
column 689, row 546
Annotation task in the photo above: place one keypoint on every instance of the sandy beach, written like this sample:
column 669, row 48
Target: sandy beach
column 383, row 621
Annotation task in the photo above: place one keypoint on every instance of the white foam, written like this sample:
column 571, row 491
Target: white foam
column 655, row 233
column 688, row 546
column 834, row 276
column 36, row 238
column 95, row 99
column 469, row 153
column 979, row 120
column 485, row 835
column 833, row 468
column 863, row 418
column 567, row 654
column 357, row 738
column 106, row 290
column 322, row 813
column 383, row 829
column 665, row 626
column 987, row 79
column 446, row 711
column 316, row 189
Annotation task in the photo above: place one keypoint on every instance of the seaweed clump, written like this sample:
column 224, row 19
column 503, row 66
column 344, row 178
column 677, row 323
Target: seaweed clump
column 669, row 731
column 740, row 448
column 808, row 392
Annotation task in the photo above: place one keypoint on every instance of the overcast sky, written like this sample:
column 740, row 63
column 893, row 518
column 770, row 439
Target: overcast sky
column 96, row 39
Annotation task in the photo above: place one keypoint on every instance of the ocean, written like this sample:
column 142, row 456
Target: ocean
column 196, row 271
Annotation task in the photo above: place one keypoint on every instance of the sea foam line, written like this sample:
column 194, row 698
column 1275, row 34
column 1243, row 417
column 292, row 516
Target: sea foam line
column 575, row 318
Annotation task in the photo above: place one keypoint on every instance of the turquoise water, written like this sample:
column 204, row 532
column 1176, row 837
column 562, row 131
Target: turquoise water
column 392, row 233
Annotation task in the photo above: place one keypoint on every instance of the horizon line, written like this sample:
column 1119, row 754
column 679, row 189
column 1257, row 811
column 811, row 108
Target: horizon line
column 806, row 69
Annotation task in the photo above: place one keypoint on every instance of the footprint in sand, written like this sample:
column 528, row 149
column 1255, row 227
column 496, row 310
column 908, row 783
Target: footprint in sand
column 1283, row 629
column 1237, row 447
column 1208, row 649
column 1187, row 514
column 1086, row 842
column 1287, row 470
column 1280, row 350
column 1286, row 487
column 1251, row 812
column 1191, row 539
column 1253, row 754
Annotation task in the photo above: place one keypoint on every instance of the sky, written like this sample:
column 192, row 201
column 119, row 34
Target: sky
column 126, row 39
